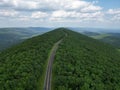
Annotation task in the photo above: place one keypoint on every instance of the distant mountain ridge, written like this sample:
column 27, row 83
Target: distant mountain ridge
column 12, row 36
column 107, row 37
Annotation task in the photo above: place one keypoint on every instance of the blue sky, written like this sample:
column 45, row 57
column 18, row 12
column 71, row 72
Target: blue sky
column 108, row 4
column 60, row 13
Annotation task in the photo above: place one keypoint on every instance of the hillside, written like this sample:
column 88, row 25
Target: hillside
column 22, row 67
column 81, row 63
column 12, row 36
column 112, row 38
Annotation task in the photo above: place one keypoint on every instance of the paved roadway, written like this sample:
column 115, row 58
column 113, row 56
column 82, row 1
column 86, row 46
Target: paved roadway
column 48, row 77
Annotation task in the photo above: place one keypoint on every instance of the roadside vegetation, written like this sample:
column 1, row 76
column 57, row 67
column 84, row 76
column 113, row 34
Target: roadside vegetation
column 22, row 66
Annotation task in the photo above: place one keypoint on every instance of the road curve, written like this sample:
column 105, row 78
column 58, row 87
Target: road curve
column 47, row 82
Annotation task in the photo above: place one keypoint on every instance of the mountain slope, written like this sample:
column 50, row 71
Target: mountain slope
column 107, row 37
column 12, row 36
column 22, row 66
column 115, row 41
column 83, row 63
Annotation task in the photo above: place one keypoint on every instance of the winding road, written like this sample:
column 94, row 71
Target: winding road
column 47, row 82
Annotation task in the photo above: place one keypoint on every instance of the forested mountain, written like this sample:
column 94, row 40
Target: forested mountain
column 112, row 38
column 12, row 36
column 115, row 41
column 81, row 63
column 22, row 66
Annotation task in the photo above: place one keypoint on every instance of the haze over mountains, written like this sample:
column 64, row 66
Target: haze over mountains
column 12, row 36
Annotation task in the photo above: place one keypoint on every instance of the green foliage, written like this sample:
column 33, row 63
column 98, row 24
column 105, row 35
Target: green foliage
column 115, row 41
column 83, row 63
column 21, row 66
column 101, row 36
column 110, row 38
column 12, row 36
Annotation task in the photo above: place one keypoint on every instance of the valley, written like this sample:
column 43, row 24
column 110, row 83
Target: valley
column 13, row 36
column 112, row 38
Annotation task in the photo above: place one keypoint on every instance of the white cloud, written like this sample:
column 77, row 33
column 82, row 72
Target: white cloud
column 114, row 11
column 73, row 15
column 23, row 18
column 116, row 18
column 33, row 16
column 114, row 15
column 39, row 15
column 91, row 8
column 54, row 9
column 19, row 4
column 75, row 4
column 8, row 13
column 50, row 4
column 57, row 10
column 64, row 14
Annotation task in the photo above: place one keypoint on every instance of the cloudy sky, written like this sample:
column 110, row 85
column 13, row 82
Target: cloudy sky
column 59, row 13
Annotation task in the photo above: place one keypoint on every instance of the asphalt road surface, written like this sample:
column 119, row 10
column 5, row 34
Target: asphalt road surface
column 48, row 77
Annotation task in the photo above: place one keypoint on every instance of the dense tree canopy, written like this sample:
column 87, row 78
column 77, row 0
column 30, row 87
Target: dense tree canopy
column 21, row 66
column 83, row 63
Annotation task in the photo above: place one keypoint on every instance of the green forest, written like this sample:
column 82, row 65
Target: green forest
column 22, row 66
column 12, row 36
column 81, row 63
